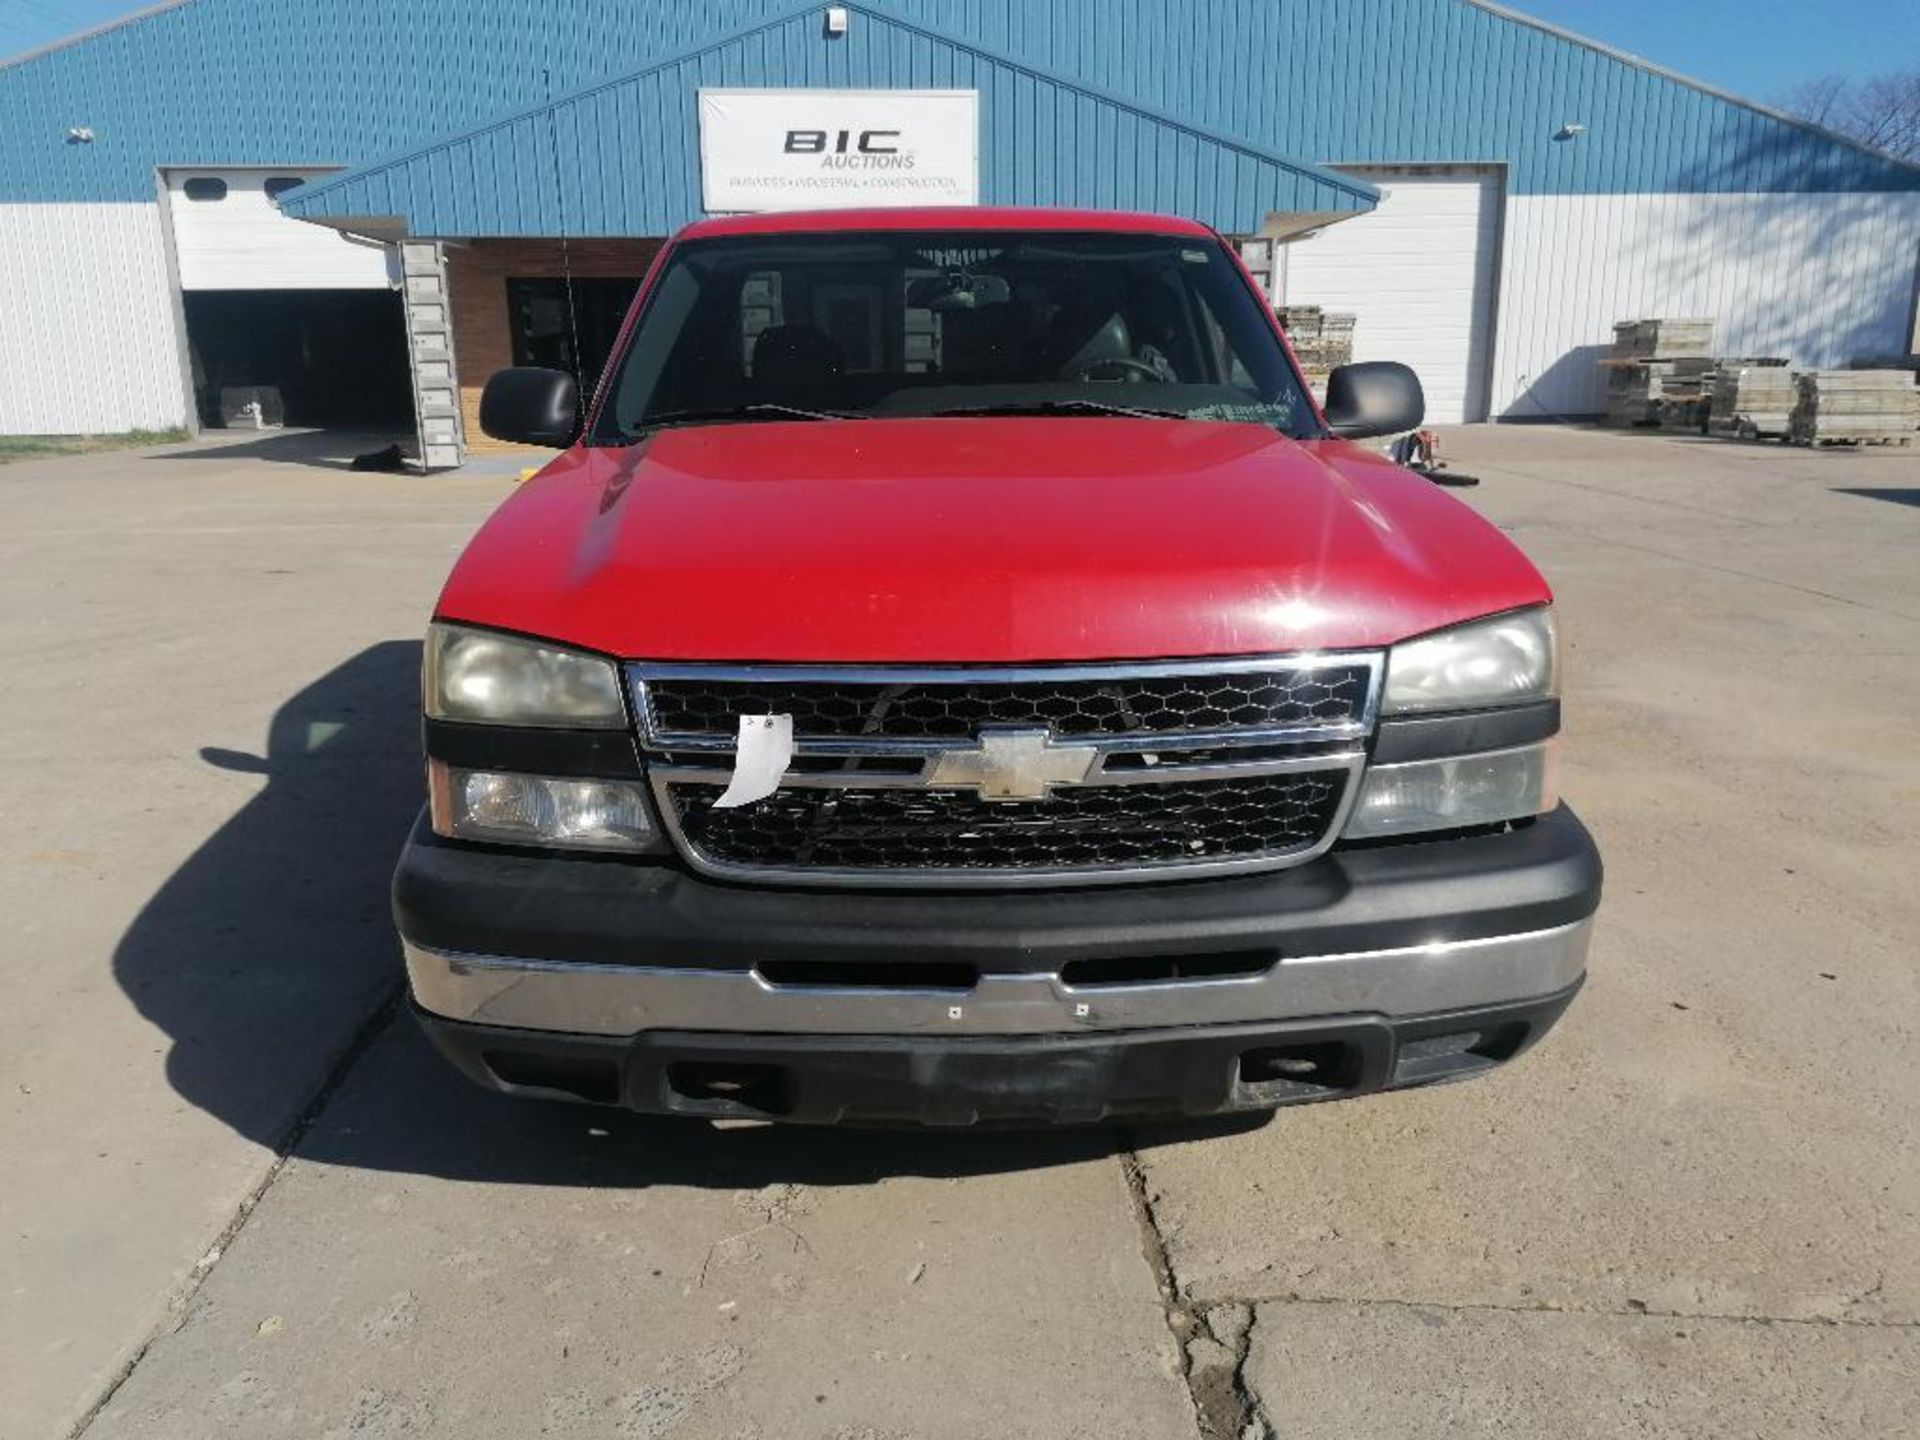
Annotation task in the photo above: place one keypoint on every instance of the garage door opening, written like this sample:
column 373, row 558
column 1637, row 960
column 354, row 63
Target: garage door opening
column 1420, row 277
column 336, row 358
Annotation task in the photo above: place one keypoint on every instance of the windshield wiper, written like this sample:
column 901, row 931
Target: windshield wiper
column 760, row 410
column 1064, row 407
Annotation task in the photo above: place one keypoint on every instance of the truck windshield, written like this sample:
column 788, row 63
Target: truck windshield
column 893, row 324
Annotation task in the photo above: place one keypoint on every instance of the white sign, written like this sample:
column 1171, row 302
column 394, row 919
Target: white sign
column 821, row 149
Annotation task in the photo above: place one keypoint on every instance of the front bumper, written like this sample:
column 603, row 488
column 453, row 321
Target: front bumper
column 647, row 986
column 1032, row 1079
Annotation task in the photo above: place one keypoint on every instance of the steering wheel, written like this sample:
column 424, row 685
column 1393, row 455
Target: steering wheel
column 1131, row 370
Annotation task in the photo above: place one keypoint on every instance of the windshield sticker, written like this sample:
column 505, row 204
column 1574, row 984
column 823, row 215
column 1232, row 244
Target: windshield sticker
column 1255, row 414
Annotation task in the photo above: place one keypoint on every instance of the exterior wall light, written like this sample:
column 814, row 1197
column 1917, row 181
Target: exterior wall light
column 80, row 135
column 837, row 20
column 1569, row 130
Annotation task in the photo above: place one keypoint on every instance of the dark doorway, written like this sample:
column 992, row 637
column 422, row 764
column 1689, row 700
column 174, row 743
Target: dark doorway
column 543, row 334
column 336, row 357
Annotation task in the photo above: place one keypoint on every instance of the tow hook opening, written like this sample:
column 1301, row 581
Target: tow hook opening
column 715, row 1088
column 1286, row 1071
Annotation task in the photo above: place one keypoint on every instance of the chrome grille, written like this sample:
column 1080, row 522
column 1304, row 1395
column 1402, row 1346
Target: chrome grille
column 1088, row 827
column 1197, row 767
column 957, row 704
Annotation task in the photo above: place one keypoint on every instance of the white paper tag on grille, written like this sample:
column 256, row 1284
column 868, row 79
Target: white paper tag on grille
column 764, row 751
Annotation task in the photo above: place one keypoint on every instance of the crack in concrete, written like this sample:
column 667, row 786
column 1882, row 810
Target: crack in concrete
column 1631, row 1311
column 1216, row 1368
column 357, row 1045
column 1211, row 1339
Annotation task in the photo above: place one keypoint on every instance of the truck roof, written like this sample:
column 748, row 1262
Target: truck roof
column 949, row 217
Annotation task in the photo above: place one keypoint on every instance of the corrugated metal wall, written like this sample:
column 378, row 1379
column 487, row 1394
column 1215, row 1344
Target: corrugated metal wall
column 1820, row 279
column 319, row 82
column 87, row 339
column 1042, row 143
column 1383, row 81
column 342, row 82
column 347, row 81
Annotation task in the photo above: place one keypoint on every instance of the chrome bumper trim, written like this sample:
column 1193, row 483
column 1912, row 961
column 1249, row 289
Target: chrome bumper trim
column 625, row 1000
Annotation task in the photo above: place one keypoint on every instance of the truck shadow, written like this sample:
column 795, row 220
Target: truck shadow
column 261, row 955
column 268, row 960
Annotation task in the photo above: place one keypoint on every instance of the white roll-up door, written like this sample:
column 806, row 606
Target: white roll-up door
column 1419, row 276
column 228, row 234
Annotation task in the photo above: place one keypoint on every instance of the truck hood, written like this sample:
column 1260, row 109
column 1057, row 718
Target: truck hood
column 984, row 540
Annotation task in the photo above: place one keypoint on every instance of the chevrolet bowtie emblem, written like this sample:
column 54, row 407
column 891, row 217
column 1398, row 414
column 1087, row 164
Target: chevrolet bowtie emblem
column 1014, row 765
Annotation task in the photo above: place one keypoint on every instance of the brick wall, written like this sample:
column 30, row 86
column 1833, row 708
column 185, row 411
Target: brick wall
column 477, row 274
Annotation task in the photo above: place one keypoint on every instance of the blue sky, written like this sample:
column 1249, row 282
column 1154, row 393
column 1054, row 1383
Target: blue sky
column 1755, row 48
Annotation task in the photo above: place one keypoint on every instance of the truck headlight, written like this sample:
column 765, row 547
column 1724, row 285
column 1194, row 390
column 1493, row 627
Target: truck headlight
column 1503, row 660
column 484, row 677
column 1457, row 792
column 508, row 809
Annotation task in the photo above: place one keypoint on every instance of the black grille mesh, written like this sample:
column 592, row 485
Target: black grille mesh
column 1077, row 828
column 1134, row 704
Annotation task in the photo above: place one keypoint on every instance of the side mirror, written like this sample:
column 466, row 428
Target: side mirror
column 531, row 405
column 1376, row 397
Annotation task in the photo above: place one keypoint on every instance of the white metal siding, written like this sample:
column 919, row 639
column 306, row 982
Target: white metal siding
column 243, row 242
column 1820, row 279
column 1418, row 276
column 87, row 340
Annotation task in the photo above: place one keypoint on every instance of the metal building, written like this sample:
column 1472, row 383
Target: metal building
column 361, row 204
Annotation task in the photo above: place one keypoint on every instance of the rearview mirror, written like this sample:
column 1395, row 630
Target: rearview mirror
column 958, row 290
column 531, row 405
column 1374, row 397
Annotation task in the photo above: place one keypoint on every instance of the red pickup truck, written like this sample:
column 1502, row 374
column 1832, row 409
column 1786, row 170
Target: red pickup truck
column 957, row 673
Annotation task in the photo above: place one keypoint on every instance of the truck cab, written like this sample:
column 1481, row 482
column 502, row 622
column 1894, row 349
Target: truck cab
column 956, row 672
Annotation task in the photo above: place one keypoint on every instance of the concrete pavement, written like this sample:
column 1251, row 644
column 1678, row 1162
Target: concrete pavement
column 208, row 653
column 243, row 1198
column 1695, row 1210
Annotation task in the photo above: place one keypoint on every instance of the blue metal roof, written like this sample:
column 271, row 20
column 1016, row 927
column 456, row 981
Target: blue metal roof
column 1407, row 81
column 312, row 82
column 1044, row 141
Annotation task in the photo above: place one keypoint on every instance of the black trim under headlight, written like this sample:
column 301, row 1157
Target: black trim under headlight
column 1430, row 737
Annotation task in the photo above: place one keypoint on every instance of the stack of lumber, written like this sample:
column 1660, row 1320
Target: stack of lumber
column 1322, row 341
column 1658, row 392
column 1633, row 393
column 1658, row 373
column 1751, row 398
column 1855, row 406
column 1685, row 392
column 1662, row 338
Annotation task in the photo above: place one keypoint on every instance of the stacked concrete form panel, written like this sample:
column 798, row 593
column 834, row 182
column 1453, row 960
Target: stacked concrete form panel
column 1322, row 341
column 1658, row 373
column 1858, row 406
column 1752, row 398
